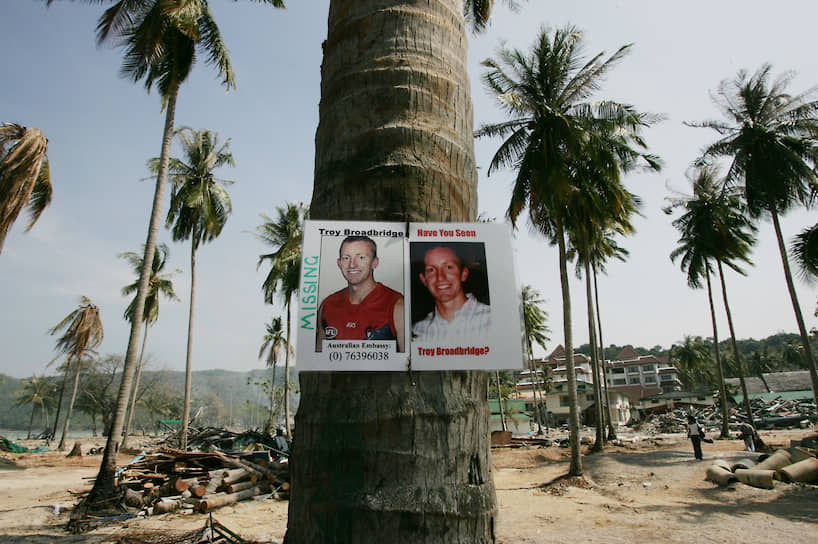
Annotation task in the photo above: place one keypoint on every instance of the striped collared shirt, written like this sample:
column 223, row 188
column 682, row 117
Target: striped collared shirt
column 472, row 319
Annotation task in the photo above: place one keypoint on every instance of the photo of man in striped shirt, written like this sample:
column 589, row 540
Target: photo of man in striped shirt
column 456, row 314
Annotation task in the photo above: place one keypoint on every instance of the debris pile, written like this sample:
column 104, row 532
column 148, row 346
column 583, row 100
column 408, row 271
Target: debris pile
column 172, row 480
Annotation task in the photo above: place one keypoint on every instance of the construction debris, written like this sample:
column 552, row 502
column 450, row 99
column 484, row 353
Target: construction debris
column 792, row 465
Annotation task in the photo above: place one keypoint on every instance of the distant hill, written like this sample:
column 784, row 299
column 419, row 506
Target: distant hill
column 222, row 398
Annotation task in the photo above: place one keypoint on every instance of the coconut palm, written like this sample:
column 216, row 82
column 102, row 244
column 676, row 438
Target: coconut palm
column 553, row 139
column 284, row 235
column 161, row 40
column 712, row 230
column 694, row 360
column 535, row 325
column 604, row 248
column 38, row 391
column 82, row 332
column 199, row 208
column 159, row 284
column 804, row 249
column 25, row 179
column 600, row 207
column 270, row 350
column 769, row 136
column 383, row 155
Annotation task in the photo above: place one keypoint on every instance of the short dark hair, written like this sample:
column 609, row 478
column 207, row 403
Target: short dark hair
column 367, row 239
column 450, row 248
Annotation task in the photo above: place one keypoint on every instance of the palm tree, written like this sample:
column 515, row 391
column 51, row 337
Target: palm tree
column 604, row 248
column 712, row 229
column 161, row 42
column 555, row 137
column 284, row 235
column 383, row 155
column 38, row 391
column 25, row 179
column 535, row 324
column 270, row 351
column 199, row 208
column 159, row 284
column 693, row 359
column 82, row 332
column 770, row 138
column 804, row 248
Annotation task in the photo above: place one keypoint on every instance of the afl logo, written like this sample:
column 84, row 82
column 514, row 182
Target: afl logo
column 330, row 332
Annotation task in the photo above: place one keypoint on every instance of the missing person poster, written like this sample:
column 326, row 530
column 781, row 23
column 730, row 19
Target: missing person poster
column 440, row 296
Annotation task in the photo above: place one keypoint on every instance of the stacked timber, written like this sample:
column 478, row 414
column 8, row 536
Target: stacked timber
column 172, row 480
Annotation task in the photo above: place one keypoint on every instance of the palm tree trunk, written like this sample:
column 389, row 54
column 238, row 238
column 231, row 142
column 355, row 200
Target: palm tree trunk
column 573, row 414
column 535, row 389
column 287, row 428
column 802, row 329
column 59, row 401
column 739, row 362
column 611, row 428
column 725, row 427
column 271, row 420
column 135, row 391
column 78, row 360
column 382, row 456
column 31, row 420
column 500, row 402
column 104, row 483
column 189, row 356
column 599, row 424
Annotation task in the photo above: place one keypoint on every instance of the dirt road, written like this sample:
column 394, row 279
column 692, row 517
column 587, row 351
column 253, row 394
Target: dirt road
column 648, row 491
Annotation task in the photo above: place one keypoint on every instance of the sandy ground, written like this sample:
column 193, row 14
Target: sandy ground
column 644, row 491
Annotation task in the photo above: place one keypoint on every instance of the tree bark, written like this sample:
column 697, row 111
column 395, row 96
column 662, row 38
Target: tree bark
column 599, row 425
column 391, row 456
column 575, row 468
column 189, row 356
column 104, row 483
column 802, row 329
column 500, row 402
column 287, row 429
column 611, row 428
column 725, row 415
column 78, row 360
column 59, row 400
column 135, row 390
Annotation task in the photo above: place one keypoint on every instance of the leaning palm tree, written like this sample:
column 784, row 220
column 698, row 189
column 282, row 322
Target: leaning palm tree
column 38, row 391
column 382, row 155
column 159, row 285
column 25, row 179
column 161, row 40
column 199, row 208
column 535, row 325
column 270, row 351
column 769, row 136
column 712, row 230
column 82, row 332
column 552, row 136
column 284, row 235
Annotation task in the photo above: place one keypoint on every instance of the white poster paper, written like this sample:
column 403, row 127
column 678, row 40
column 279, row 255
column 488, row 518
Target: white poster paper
column 376, row 297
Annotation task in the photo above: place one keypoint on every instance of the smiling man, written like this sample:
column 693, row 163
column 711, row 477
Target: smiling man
column 456, row 314
column 365, row 309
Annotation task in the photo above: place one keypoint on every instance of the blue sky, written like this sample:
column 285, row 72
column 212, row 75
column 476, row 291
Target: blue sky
column 102, row 129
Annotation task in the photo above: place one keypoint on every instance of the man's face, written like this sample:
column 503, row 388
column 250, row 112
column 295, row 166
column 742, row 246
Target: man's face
column 357, row 262
column 443, row 274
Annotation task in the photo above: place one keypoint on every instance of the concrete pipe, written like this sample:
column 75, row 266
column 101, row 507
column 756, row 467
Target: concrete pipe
column 799, row 454
column 722, row 463
column 743, row 463
column 805, row 471
column 756, row 478
column 779, row 459
column 720, row 475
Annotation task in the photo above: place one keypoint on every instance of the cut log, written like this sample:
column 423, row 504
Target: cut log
column 76, row 451
column 216, row 501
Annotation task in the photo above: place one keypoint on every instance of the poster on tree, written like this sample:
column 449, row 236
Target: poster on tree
column 380, row 296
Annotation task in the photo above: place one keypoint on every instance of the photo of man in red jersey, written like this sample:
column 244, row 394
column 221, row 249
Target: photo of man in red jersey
column 365, row 309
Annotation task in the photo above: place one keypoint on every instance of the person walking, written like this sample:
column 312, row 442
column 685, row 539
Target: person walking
column 695, row 433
